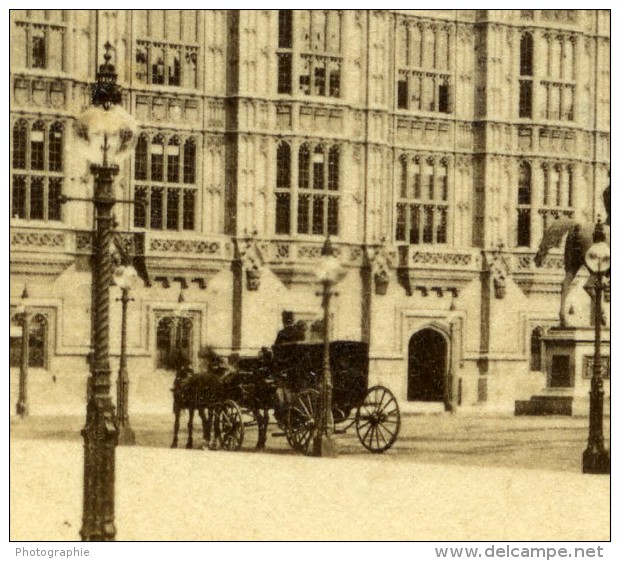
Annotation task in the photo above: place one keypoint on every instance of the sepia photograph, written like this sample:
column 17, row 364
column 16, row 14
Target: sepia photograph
column 310, row 275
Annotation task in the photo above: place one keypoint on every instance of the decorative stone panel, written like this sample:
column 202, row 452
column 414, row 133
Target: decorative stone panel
column 40, row 92
column 185, row 246
column 37, row 240
column 179, row 110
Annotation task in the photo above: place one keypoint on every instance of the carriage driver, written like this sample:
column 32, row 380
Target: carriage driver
column 287, row 333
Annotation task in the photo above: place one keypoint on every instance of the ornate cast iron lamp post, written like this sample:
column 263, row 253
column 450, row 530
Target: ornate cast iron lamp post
column 329, row 273
column 124, row 278
column 179, row 318
column 598, row 260
column 106, row 133
column 23, row 316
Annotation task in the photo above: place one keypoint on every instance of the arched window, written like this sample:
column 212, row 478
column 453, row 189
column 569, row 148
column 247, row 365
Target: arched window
column 536, row 349
column 318, row 168
column 422, row 209
column 41, row 34
column 333, row 169
column 283, row 173
column 285, row 29
column 55, row 147
column 189, row 161
column 38, row 154
column 37, row 146
column 166, row 49
column 174, row 342
column 403, row 178
column 570, row 186
column 141, row 165
column 527, row 55
column 20, row 136
column 165, row 173
column 525, row 184
column 524, row 202
column 318, row 190
column 304, row 167
column 316, row 52
column 37, row 342
column 283, row 185
column 526, row 71
column 423, row 75
column 157, row 158
column 173, row 154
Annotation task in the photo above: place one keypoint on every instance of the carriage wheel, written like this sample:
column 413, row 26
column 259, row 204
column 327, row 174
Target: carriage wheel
column 229, row 426
column 301, row 423
column 377, row 420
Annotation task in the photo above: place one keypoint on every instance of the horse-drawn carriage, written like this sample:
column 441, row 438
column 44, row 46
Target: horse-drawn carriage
column 287, row 382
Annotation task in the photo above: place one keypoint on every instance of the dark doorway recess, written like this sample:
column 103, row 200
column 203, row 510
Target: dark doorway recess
column 427, row 366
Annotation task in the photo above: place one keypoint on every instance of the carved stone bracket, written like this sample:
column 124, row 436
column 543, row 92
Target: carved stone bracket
column 381, row 258
column 496, row 263
column 252, row 259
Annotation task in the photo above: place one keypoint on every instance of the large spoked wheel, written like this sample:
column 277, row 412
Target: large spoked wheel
column 301, row 423
column 377, row 420
column 229, row 426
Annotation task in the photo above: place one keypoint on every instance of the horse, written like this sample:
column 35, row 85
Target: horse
column 579, row 239
column 194, row 392
column 253, row 390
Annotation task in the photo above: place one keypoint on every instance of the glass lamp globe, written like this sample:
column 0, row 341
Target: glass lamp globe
column 330, row 269
column 105, row 136
column 598, row 258
column 125, row 277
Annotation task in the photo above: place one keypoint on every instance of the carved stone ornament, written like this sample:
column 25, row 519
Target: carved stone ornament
column 499, row 270
column 499, row 284
column 381, row 260
column 252, row 260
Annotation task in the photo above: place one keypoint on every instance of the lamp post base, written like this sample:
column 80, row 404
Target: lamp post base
column 324, row 447
column 126, row 436
column 21, row 409
column 596, row 460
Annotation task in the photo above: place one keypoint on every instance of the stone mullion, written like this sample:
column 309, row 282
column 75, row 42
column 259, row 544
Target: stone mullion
column 294, row 185
column 536, row 218
column 325, row 189
column 451, row 200
column 560, row 188
column 435, row 207
column 149, row 182
column 149, row 54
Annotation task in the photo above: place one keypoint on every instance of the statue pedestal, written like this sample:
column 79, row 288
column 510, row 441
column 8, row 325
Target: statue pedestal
column 568, row 358
column 568, row 361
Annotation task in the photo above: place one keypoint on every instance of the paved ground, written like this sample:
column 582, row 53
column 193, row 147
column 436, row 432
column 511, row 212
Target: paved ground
column 549, row 443
column 449, row 478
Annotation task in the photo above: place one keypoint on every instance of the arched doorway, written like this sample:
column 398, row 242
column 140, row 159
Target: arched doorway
column 426, row 380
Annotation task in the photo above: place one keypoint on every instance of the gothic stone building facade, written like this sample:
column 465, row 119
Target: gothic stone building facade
column 432, row 146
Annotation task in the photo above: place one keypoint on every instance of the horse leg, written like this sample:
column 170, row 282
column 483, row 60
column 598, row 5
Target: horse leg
column 190, row 428
column 205, row 427
column 210, row 429
column 215, row 426
column 263, row 422
column 175, row 438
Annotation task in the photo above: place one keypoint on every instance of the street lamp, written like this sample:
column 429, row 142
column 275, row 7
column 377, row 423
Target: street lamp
column 329, row 273
column 598, row 260
column 105, row 133
column 23, row 315
column 124, row 278
column 180, row 317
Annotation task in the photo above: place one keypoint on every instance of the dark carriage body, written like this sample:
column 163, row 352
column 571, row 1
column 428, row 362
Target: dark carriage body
column 298, row 366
